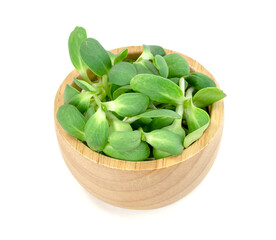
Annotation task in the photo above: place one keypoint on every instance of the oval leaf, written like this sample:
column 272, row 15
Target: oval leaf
column 69, row 93
column 95, row 56
column 121, row 73
column 207, row 96
column 128, row 104
column 72, row 121
column 157, row 154
column 195, row 117
column 178, row 66
column 165, row 140
column 125, row 141
column 81, row 101
column 158, row 123
column 195, row 135
column 89, row 112
column 140, row 153
column 160, row 63
column 96, row 131
column 159, row 113
column 84, row 85
column 121, row 56
column 119, row 91
column 200, row 80
column 157, row 50
column 157, row 88
column 75, row 39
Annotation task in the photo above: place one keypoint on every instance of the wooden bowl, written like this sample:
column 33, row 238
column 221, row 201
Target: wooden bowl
column 145, row 184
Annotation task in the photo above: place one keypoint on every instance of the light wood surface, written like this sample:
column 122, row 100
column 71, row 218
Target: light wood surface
column 146, row 184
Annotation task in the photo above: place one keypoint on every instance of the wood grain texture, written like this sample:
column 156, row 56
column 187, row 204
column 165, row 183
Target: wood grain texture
column 146, row 184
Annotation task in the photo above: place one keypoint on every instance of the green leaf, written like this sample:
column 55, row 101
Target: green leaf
column 158, row 123
column 165, row 140
column 95, row 56
column 72, row 121
column 157, row 50
column 157, row 154
column 125, row 141
column 200, row 80
column 81, row 101
column 195, row 135
column 113, row 88
column 121, row 56
column 69, row 92
column 194, row 116
column 119, row 91
column 145, row 66
column 161, row 65
column 157, row 88
column 146, row 54
column 197, row 121
column 112, row 57
column 140, row 153
column 116, row 124
column 85, row 85
column 154, row 113
column 89, row 112
column 96, row 131
column 207, row 96
column 75, row 39
column 128, row 104
column 141, row 122
column 159, row 113
column 178, row 66
column 121, row 73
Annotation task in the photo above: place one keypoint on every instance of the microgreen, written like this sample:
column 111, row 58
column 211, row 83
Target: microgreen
column 199, row 80
column 178, row 66
column 135, row 108
column 72, row 121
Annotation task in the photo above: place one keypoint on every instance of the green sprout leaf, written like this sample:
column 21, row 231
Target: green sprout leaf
column 84, row 85
column 157, row 154
column 125, row 141
column 72, row 121
column 146, row 54
column 140, row 153
column 121, row 73
column 88, row 114
column 112, row 57
column 96, row 131
column 207, row 96
column 165, row 140
column 116, row 124
column 121, row 56
column 178, row 66
column 119, row 91
column 69, row 92
column 95, row 56
column 197, row 121
column 199, row 80
column 81, row 101
column 75, row 39
column 128, row 104
column 160, row 63
column 145, row 66
column 157, row 88
column 157, row 50
column 155, row 113
column 158, row 123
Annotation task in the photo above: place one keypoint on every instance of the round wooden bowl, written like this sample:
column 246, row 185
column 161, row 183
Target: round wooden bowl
column 145, row 184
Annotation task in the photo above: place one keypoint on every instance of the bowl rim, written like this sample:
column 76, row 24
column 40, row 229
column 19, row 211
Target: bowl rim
column 216, row 121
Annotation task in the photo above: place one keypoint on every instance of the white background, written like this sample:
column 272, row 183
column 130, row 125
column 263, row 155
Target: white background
column 234, row 40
